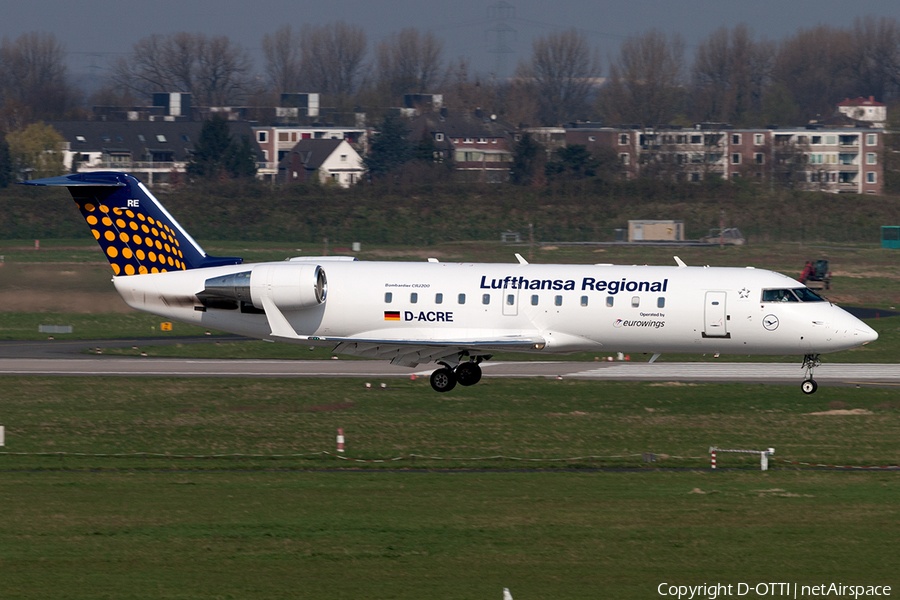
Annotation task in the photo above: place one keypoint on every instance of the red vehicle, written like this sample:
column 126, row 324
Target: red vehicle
column 816, row 275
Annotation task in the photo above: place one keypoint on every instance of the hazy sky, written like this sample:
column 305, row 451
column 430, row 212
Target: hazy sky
column 93, row 31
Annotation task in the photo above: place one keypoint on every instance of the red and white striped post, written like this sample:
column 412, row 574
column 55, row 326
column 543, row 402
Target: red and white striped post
column 340, row 439
column 713, row 452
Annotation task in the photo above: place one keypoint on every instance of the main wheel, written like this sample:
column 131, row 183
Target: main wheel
column 443, row 380
column 468, row 373
column 809, row 386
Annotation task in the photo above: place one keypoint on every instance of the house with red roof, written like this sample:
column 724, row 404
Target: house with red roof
column 864, row 109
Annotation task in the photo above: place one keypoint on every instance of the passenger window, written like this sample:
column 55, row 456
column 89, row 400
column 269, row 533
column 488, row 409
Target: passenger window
column 635, row 301
column 534, row 300
column 438, row 298
column 388, row 297
column 462, row 298
column 557, row 300
column 660, row 302
column 486, row 299
column 584, row 300
column 413, row 298
column 610, row 300
column 510, row 299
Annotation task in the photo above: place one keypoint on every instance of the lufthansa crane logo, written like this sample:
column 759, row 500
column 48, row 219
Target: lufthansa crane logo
column 770, row 322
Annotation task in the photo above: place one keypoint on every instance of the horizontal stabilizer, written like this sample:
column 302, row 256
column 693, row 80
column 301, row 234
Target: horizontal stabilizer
column 79, row 180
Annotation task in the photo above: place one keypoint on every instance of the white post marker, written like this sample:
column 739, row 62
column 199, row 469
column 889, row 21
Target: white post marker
column 764, row 459
column 340, row 440
column 506, row 594
column 2, row 435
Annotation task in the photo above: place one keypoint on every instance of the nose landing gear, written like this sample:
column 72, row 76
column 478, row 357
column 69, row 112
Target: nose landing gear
column 810, row 362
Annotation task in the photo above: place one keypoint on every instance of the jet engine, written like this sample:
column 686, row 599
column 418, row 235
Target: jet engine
column 288, row 287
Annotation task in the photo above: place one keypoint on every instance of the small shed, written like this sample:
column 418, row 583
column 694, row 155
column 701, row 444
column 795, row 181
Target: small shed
column 655, row 231
column 890, row 236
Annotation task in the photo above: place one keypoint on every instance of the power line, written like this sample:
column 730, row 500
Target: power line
column 605, row 34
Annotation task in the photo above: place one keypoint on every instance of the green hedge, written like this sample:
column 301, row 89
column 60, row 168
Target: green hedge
column 588, row 210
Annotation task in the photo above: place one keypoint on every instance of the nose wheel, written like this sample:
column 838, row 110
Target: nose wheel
column 810, row 362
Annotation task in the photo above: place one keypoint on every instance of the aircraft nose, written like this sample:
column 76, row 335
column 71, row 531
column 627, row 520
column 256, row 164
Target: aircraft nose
column 866, row 334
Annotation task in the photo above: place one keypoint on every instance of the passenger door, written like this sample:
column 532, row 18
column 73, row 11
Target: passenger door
column 715, row 319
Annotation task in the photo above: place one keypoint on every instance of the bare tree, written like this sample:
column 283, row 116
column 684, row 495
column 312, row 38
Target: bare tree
column 645, row 80
column 409, row 62
column 730, row 74
column 223, row 72
column 518, row 103
column 214, row 70
column 564, row 70
column 332, row 57
column 467, row 92
column 812, row 66
column 33, row 75
column 283, row 62
column 875, row 57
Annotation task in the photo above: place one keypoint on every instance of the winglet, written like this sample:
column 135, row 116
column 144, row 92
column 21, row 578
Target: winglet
column 679, row 262
column 521, row 260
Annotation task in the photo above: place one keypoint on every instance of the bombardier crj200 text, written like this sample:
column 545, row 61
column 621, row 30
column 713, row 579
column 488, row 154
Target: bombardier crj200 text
column 456, row 314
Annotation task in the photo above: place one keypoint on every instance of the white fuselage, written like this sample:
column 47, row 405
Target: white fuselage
column 570, row 307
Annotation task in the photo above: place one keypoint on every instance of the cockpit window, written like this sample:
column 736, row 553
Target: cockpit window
column 791, row 295
column 778, row 296
column 807, row 295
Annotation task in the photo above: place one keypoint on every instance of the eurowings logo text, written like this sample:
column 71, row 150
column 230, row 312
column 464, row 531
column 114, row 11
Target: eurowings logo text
column 632, row 323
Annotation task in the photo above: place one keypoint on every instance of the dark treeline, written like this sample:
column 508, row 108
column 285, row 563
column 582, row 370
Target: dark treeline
column 734, row 76
column 586, row 210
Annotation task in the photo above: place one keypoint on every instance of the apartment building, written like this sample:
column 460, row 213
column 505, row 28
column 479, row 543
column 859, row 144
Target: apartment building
column 816, row 158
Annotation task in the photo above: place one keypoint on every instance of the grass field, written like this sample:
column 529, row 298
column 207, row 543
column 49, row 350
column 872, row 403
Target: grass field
column 99, row 527
column 78, row 525
column 436, row 535
column 530, row 418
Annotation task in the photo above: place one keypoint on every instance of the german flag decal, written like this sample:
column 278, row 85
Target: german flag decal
column 390, row 315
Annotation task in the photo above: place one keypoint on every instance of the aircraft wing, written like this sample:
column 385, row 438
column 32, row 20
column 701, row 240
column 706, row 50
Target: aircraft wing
column 409, row 353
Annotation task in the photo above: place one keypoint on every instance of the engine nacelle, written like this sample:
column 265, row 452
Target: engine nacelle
column 288, row 286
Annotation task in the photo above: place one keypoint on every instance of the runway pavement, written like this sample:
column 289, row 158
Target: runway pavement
column 60, row 348
column 774, row 373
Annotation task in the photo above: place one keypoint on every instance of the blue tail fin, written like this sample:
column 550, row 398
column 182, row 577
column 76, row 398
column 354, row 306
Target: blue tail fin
column 136, row 232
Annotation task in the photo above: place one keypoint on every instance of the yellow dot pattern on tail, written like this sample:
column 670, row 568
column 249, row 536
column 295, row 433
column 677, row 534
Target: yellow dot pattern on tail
column 134, row 243
column 137, row 234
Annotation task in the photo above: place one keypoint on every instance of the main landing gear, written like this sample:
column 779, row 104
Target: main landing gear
column 810, row 362
column 466, row 373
